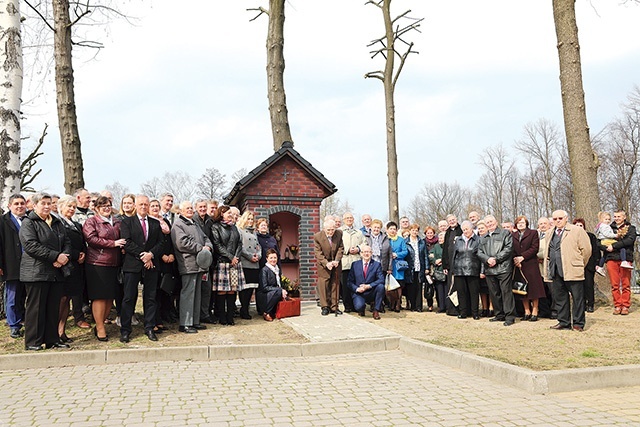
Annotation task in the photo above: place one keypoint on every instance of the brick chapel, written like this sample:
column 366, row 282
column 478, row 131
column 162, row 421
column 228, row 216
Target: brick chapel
column 287, row 190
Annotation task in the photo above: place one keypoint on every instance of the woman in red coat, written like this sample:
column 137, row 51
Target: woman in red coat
column 525, row 250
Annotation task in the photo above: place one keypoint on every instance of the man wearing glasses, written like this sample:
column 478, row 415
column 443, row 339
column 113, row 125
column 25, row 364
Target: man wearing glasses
column 567, row 249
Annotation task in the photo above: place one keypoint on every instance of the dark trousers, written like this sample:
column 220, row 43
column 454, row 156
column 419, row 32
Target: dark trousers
column 375, row 295
column 504, row 304
column 441, row 295
column 561, row 290
column 589, row 288
column 42, row 311
column 347, row 298
column 414, row 291
column 245, row 300
column 468, row 288
column 149, row 278
column 76, row 303
column 205, row 300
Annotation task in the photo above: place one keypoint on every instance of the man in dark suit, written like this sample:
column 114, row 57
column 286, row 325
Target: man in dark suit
column 329, row 249
column 143, row 250
column 366, row 282
column 10, row 256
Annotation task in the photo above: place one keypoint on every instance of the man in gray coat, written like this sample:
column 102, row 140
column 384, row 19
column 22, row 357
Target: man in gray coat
column 188, row 240
column 496, row 252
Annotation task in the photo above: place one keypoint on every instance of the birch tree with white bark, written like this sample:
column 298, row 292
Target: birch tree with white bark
column 11, row 98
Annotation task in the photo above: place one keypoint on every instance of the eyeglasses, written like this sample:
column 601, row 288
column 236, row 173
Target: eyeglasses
column 558, row 219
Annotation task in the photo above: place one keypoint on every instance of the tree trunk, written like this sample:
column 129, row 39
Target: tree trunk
column 390, row 111
column 582, row 159
column 10, row 99
column 65, row 98
column 275, row 75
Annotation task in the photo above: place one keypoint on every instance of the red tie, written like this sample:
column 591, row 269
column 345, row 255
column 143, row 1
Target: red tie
column 366, row 267
column 143, row 222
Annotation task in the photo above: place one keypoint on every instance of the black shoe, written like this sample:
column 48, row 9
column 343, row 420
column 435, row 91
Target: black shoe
column 65, row 339
column 554, row 316
column 496, row 319
column 558, row 327
column 461, row 316
column 476, row 317
column 534, row 318
column 57, row 345
column 325, row 311
column 207, row 320
column 16, row 333
column 199, row 327
column 361, row 313
column 526, row 317
column 33, row 348
column 508, row 322
column 151, row 335
column 125, row 337
column 337, row 312
column 188, row 330
column 589, row 309
column 245, row 316
column 348, row 310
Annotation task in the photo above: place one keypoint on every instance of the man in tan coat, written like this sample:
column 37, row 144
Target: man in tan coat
column 329, row 249
column 567, row 249
column 352, row 239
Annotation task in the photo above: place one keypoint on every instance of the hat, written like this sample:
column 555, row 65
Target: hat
column 204, row 258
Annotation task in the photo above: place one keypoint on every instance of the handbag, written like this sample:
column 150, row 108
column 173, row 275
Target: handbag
column 517, row 287
column 453, row 295
column 168, row 283
column 439, row 275
column 289, row 307
column 402, row 265
column 390, row 283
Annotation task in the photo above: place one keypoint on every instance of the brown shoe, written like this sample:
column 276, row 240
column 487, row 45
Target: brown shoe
column 578, row 328
column 558, row 326
column 618, row 310
column 267, row 317
column 376, row 315
column 624, row 311
column 82, row 324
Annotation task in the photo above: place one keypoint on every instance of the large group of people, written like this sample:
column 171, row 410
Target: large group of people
column 84, row 254
column 477, row 268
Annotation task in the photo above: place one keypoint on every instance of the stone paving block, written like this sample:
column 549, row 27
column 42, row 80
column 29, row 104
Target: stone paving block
column 52, row 358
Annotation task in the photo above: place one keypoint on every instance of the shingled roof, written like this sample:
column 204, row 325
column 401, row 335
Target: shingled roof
column 286, row 150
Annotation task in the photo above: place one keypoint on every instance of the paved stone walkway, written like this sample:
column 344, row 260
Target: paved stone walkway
column 382, row 389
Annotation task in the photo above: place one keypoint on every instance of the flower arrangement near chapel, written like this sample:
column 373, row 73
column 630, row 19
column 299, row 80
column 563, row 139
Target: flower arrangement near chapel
column 289, row 285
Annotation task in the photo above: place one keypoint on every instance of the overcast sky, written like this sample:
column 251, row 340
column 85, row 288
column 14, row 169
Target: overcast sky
column 185, row 89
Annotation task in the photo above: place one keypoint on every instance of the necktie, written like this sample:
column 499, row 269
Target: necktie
column 558, row 231
column 366, row 267
column 143, row 222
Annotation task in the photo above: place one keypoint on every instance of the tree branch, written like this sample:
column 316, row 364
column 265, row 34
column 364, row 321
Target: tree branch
column 30, row 161
column 261, row 11
column 375, row 75
column 40, row 15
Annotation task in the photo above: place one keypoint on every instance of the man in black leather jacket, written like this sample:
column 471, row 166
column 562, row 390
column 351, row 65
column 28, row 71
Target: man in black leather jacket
column 496, row 253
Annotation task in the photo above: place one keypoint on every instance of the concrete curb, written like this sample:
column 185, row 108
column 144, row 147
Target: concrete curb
column 535, row 382
column 56, row 358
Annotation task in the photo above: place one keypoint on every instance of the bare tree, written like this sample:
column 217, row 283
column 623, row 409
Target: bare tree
column 179, row 183
column 390, row 45
column 582, row 159
column 332, row 205
column 275, row 72
column 541, row 149
column 498, row 166
column 211, row 184
column 117, row 191
column 26, row 167
column 620, row 157
column 435, row 201
column 152, row 187
column 10, row 99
